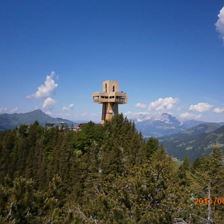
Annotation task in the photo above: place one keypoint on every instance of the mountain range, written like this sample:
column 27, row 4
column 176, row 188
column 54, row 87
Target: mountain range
column 164, row 124
column 189, row 138
column 158, row 126
column 11, row 121
column 195, row 142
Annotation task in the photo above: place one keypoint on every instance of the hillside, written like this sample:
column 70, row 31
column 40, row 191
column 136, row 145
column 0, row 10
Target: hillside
column 194, row 142
column 11, row 121
column 101, row 174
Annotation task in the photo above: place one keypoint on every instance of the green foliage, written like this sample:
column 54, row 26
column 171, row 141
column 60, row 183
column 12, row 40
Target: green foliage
column 152, row 145
column 101, row 174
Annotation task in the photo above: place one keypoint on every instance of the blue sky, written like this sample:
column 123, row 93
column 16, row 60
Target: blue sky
column 167, row 55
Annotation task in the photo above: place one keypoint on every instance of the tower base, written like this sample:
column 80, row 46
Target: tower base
column 108, row 111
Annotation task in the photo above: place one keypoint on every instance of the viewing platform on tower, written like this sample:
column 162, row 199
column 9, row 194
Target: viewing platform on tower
column 110, row 97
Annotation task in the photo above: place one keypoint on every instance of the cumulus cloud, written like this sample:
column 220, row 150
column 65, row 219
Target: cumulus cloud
column 200, row 107
column 48, row 103
column 69, row 107
column 166, row 103
column 44, row 92
column 47, row 88
column 141, row 105
column 219, row 110
column 189, row 116
column 220, row 23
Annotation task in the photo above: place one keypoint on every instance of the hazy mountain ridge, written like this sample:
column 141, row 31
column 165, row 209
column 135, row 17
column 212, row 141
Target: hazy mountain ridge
column 196, row 141
column 178, row 139
column 11, row 121
column 190, row 138
column 164, row 125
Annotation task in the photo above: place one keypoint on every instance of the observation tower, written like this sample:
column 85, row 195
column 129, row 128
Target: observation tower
column 110, row 97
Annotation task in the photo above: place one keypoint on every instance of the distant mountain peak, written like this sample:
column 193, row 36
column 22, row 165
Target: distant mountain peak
column 169, row 119
column 162, row 125
column 37, row 111
column 164, row 117
column 10, row 121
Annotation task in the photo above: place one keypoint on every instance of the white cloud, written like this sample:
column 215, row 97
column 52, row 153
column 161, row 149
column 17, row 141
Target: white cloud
column 13, row 110
column 45, row 89
column 141, row 105
column 7, row 110
column 48, row 112
column 3, row 110
column 139, row 116
column 87, row 114
column 200, row 107
column 69, row 107
column 48, row 103
column 220, row 23
column 189, row 116
column 166, row 103
column 219, row 110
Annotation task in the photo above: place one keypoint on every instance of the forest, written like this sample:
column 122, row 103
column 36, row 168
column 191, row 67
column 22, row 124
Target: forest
column 103, row 174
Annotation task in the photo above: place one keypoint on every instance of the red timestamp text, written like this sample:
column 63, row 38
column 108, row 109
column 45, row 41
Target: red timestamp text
column 206, row 201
